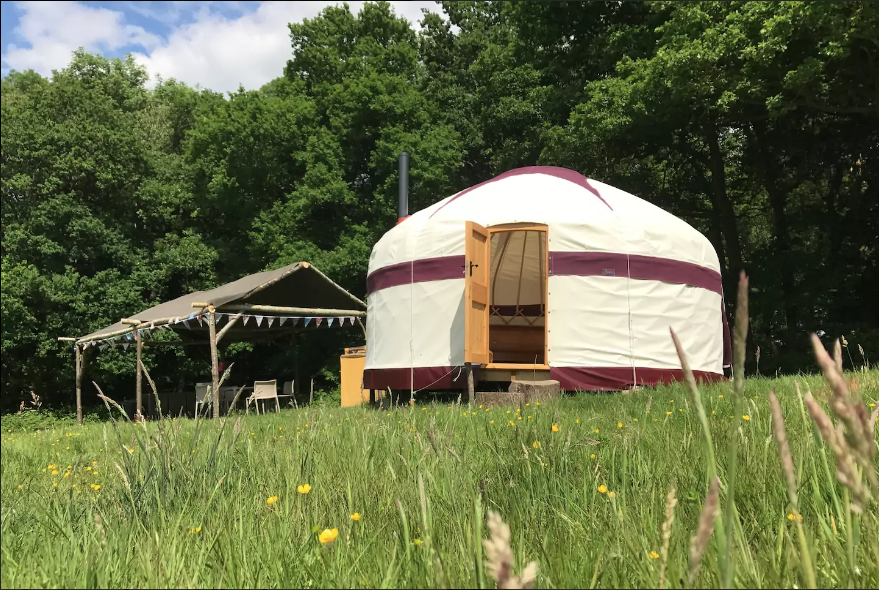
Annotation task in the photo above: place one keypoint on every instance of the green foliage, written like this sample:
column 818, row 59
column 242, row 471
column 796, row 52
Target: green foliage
column 180, row 503
column 755, row 122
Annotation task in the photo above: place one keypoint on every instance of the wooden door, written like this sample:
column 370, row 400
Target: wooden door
column 476, row 294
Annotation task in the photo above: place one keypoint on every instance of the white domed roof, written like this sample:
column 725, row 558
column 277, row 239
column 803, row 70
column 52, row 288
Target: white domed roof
column 582, row 214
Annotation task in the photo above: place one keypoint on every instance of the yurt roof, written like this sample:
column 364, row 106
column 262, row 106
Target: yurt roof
column 581, row 212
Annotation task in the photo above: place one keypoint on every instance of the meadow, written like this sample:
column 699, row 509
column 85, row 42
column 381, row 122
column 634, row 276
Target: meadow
column 583, row 483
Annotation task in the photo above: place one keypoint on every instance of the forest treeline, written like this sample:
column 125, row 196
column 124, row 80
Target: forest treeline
column 756, row 122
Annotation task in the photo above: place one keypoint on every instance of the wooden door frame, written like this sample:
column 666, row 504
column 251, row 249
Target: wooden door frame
column 525, row 226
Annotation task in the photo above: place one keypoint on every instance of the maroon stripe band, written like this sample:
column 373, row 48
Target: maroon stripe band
column 420, row 271
column 419, row 378
column 570, row 378
column 615, row 378
column 647, row 268
column 563, row 173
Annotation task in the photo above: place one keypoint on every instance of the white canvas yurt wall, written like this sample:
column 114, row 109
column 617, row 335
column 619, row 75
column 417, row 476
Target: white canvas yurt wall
column 621, row 271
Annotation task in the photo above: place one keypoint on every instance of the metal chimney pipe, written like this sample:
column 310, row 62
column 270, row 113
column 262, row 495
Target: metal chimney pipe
column 403, row 200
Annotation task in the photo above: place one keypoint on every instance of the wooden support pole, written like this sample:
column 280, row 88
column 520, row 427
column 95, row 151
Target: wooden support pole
column 215, row 366
column 315, row 311
column 66, row 339
column 78, row 358
column 471, row 388
column 138, row 392
column 228, row 325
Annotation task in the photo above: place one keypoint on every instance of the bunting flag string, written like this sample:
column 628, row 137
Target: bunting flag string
column 145, row 333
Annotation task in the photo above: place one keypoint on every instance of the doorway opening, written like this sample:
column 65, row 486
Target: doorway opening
column 518, row 269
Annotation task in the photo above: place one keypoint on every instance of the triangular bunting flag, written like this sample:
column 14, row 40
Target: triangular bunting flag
column 305, row 325
column 295, row 320
column 198, row 317
column 186, row 323
column 281, row 321
column 270, row 320
column 125, row 345
column 330, row 322
column 192, row 316
column 258, row 320
column 244, row 320
column 352, row 320
column 318, row 320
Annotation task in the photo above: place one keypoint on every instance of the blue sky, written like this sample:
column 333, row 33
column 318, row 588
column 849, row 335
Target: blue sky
column 216, row 45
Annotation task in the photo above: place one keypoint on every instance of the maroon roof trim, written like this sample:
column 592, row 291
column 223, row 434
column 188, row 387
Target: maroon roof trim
column 647, row 268
column 558, row 172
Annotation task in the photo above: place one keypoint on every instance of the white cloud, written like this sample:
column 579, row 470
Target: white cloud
column 220, row 53
column 214, row 51
column 55, row 29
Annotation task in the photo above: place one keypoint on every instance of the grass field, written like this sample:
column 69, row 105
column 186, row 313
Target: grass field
column 183, row 505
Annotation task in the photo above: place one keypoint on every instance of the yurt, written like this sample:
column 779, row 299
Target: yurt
column 542, row 273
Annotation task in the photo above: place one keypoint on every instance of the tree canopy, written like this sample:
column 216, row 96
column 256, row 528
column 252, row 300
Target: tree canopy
column 758, row 123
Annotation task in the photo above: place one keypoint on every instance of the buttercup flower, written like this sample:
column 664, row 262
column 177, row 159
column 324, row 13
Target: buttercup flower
column 303, row 489
column 356, row 517
column 271, row 500
column 602, row 489
column 328, row 536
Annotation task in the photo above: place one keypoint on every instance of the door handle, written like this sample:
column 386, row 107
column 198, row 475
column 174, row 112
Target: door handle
column 472, row 266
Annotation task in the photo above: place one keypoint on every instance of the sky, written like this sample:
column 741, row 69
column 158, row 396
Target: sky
column 215, row 45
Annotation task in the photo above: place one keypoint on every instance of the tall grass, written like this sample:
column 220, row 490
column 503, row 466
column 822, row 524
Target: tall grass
column 184, row 503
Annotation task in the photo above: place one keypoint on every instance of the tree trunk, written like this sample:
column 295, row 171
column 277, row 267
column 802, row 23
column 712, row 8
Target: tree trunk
column 724, row 214
column 782, row 254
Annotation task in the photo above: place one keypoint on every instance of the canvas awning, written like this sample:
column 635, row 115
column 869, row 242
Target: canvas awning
column 293, row 293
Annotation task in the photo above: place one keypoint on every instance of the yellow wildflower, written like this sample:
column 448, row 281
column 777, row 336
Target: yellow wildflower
column 596, row 431
column 356, row 517
column 556, row 428
column 328, row 536
column 746, row 418
column 653, row 555
column 536, row 444
column 418, row 542
column 303, row 489
column 54, row 472
column 619, row 424
column 668, row 413
column 271, row 500
column 794, row 516
column 592, row 456
column 602, row 489
column 610, row 494
column 54, row 484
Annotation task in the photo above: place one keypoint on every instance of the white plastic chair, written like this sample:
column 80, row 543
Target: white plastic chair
column 203, row 396
column 227, row 396
column 263, row 390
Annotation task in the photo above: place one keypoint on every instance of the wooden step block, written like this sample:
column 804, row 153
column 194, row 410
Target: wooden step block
column 534, row 391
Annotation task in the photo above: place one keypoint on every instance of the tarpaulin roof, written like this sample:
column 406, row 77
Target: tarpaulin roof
column 296, row 285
